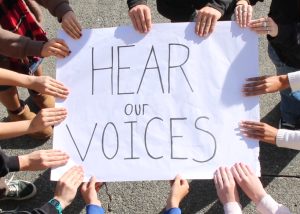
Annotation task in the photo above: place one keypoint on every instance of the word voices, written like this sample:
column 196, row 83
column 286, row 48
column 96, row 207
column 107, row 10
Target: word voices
column 174, row 140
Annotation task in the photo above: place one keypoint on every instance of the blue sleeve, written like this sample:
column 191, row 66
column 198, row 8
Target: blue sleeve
column 94, row 209
column 173, row 211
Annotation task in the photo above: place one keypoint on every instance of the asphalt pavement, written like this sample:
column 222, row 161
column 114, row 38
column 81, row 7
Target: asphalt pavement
column 280, row 167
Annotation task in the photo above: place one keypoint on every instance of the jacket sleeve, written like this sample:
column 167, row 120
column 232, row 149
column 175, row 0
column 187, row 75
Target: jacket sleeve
column 288, row 35
column 45, row 209
column 8, row 164
column 94, row 209
column 133, row 3
column 57, row 8
column 14, row 45
column 173, row 211
column 220, row 5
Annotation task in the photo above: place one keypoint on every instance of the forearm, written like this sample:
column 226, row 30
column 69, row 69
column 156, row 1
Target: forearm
column 14, row 129
column 14, row 45
column 57, row 8
column 12, row 78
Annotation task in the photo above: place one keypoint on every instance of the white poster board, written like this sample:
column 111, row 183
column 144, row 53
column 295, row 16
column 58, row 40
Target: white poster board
column 148, row 107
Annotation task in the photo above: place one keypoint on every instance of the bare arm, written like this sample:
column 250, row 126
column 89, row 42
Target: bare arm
column 42, row 84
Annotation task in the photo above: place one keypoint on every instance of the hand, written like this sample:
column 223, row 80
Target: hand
column 47, row 117
column 259, row 131
column 89, row 192
column 67, row 186
column 265, row 84
column 206, row 20
column 179, row 189
column 71, row 26
column 140, row 16
column 48, row 85
column 42, row 159
column 264, row 26
column 55, row 47
column 225, row 186
column 243, row 13
column 248, row 182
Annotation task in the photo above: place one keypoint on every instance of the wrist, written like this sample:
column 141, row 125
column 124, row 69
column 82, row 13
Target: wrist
column 94, row 202
column 57, row 204
column 63, row 203
column 23, row 162
column 172, row 204
column 284, row 80
column 259, row 197
column 242, row 2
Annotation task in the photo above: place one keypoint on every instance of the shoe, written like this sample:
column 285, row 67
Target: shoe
column 286, row 125
column 42, row 100
column 19, row 190
column 26, row 114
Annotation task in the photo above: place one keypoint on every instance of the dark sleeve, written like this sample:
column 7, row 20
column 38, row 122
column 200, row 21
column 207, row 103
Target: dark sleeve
column 8, row 164
column 133, row 3
column 253, row 2
column 35, row 9
column 46, row 209
column 94, row 209
column 288, row 35
column 14, row 45
column 57, row 8
column 220, row 5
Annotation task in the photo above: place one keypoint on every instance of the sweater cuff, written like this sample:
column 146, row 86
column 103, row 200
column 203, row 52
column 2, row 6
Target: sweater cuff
column 294, row 79
column 218, row 8
column 61, row 10
column 269, row 205
column 13, row 164
column 133, row 3
column 280, row 141
column 91, row 208
column 232, row 208
column 34, row 48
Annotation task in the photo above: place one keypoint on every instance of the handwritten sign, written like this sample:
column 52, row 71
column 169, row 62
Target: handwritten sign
column 148, row 107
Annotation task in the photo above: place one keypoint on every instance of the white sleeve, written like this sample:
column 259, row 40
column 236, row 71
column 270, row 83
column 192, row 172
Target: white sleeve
column 232, row 208
column 294, row 79
column 288, row 139
column 268, row 205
